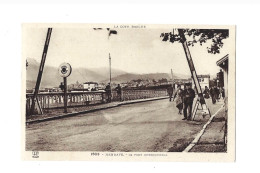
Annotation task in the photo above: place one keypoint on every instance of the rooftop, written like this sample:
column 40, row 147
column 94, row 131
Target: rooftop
column 204, row 76
column 223, row 60
column 90, row 83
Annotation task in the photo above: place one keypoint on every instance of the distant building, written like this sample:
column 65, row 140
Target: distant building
column 163, row 81
column 76, row 85
column 56, row 89
column 182, row 82
column 48, row 89
column 125, row 84
column 90, row 86
column 203, row 80
column 101, row 86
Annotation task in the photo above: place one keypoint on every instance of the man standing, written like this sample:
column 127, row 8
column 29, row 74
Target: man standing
column 170, row 92
column 206, row 92
column 212, row 95
column 217, row 93
column 222, row 92
column 188, row 96
column 119, row 92
column 108, row 92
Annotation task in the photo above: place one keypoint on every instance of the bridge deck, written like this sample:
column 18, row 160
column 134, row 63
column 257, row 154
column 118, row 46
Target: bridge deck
column 146, row 127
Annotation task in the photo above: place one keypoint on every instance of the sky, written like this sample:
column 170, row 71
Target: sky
column 132, row 50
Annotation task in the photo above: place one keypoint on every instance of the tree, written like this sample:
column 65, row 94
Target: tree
column 200, row 36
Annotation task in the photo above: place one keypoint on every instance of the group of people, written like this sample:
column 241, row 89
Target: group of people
column 108, row 91
column 215, row 93
column 184, row 99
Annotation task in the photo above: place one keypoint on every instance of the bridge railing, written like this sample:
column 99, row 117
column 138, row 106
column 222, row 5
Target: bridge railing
column 139, row 94
column 56, row 99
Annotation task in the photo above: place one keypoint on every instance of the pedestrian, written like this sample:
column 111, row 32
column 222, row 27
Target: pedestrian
column 119, row 92
column 222, row 92
column 217, row 93
column 188, row 97
column 170, row 92
column 179, row 99
column 206, row 92
column 108, row 92
column 212, row 95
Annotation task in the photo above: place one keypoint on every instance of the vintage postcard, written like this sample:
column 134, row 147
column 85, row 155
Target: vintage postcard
column 128, row 92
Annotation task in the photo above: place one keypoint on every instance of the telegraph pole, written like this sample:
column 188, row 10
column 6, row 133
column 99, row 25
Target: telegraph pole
column 109, row 68
column 38, row 82
column 172, row 77
column 194, row 75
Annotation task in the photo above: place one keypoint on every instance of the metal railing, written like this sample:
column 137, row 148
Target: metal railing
column 139, row 94
column 56, row 99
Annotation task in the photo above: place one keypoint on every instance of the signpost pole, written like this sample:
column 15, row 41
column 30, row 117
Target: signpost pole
column 64, row 71
column 65, row 95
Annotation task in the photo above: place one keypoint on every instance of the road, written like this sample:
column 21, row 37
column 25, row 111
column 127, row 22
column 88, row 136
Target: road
column 153, row 126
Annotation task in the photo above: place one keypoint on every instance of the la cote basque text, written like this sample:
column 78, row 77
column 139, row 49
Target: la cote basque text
column 130, row 26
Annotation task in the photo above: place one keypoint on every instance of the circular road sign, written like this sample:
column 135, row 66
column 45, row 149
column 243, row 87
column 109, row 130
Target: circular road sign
column 65, row 69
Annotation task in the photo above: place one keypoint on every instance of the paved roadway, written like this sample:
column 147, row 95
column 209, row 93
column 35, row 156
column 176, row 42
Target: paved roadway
column 142, row 127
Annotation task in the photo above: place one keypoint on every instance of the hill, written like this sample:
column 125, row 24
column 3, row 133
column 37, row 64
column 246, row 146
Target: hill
column 131, row 76
column 51, row 78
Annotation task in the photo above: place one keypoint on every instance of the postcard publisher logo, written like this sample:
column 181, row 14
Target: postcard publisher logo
column 35, row 154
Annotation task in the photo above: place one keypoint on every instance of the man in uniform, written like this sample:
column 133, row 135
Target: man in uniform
column 188, row 96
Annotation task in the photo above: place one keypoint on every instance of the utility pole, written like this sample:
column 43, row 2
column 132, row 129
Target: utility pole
column 194, row 76
column 172, row 77
column 38, row 82
column 110, row 32
column 109, row 68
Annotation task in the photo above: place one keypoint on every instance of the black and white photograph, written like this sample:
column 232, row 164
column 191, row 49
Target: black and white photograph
column 128, row 91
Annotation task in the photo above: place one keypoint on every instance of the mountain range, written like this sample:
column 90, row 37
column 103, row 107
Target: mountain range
column 51, row 77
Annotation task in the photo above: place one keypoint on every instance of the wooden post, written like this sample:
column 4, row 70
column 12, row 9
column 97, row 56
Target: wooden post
column 193, row 72
column 38, row 82
column 39, row 108
column 172, row 77
column 65, row 95
column 110, row 69
column 64, row 71
column 110, row 78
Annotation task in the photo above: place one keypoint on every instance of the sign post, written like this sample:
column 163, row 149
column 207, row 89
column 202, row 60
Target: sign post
column 64, row 71
column 65, row 95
